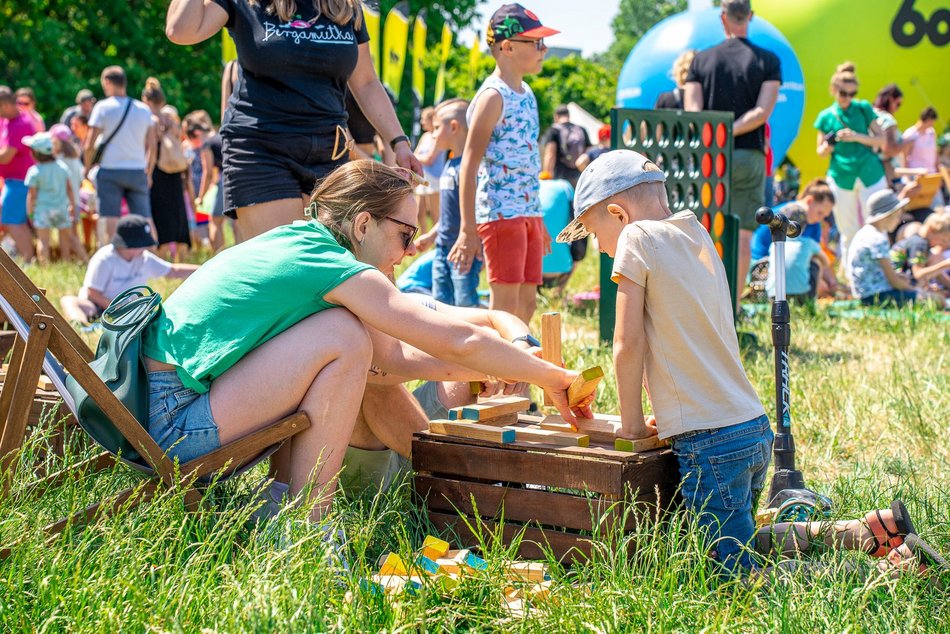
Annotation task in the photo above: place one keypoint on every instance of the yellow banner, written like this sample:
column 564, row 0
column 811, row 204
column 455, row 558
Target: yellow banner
column 371, row 17
column 443, row 59
column 419, row 31
column 474, row 56
column 395, row 42
column 228, row 51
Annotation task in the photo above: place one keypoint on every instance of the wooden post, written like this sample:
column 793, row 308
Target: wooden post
column 551, row 343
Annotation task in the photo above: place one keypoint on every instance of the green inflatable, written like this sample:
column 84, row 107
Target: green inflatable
column 890, row 41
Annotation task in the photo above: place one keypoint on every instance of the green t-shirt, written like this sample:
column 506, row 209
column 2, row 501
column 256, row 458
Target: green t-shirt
column 850, row 161
column 245, row 296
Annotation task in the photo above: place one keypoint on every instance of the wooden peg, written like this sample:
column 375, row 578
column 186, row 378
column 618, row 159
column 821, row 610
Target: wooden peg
column 551, row 344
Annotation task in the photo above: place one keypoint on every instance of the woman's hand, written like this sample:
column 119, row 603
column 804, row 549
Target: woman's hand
column 405, row 158
column 846, row 135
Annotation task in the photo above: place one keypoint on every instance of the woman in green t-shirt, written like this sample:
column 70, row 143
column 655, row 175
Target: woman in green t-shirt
column 849, row 132
column 277, row 324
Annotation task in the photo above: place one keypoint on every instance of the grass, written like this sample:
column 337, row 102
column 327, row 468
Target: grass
column 870, row 401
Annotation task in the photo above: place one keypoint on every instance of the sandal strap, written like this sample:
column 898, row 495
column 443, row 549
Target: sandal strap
column 881, row 543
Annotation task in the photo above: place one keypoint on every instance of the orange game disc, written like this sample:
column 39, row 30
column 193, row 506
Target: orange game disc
column 707, row 134
column 706, row 195
column 720, row 194
column 719, row 224
column 721, row 135
column 707, row 165
column 720, row 165
column 719, row 248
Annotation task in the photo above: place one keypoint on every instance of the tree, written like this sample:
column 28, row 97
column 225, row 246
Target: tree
column 634, row 19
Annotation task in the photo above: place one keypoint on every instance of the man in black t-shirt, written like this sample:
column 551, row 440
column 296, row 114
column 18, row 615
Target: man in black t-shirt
column 739, row 77
column 563, row 144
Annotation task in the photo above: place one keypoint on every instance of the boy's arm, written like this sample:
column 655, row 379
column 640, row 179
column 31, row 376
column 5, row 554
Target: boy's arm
column 30, row 200
column 97, row 298
column 72, row 200
column 488, row 109
column 897, row 281
column 427, row 239
column 629, row 354
column 924, row 273
column 181, row 271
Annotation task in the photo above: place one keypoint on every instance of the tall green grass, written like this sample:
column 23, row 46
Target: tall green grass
column 870, row 406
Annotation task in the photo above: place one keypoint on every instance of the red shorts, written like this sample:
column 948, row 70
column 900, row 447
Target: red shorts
column 513, row 250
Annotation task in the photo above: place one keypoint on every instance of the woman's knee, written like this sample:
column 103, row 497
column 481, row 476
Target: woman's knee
column 348, row 333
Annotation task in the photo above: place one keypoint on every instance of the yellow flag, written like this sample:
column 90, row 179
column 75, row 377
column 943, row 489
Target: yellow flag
column 228, row 51
column 371, row 17
column 419, row 30
column 443, row 59
column 395, row 42
column 474, row 56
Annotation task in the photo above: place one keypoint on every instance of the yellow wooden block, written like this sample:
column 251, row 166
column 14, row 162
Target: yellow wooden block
column 474, row 431
column 393, row 565
column 434, row 548
column 584, row 385
column 641, row 444
column 539, row 591
column 527, row 570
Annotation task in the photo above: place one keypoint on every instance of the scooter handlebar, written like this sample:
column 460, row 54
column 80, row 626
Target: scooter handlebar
column 778, row 224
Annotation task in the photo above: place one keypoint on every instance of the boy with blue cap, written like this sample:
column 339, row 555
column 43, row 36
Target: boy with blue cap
column 675, row 335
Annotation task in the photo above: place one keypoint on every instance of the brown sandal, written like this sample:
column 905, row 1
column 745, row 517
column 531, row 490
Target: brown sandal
column 884, row 540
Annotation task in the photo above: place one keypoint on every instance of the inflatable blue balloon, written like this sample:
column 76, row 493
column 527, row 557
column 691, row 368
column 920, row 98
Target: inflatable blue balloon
column 648, row 70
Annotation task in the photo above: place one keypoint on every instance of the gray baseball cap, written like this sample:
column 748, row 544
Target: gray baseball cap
column 607, row 175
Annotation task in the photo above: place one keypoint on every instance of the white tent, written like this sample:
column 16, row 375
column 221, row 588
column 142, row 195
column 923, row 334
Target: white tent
column 586, row 120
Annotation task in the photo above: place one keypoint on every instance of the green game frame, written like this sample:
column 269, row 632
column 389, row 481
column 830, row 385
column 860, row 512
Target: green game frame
column 694, row 149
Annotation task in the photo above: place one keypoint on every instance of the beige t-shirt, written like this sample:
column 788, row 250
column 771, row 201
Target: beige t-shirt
column 692, row 364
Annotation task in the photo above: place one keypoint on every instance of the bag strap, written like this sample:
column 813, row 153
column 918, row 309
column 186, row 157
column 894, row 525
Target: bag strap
column 131, row 309
column 102, row 148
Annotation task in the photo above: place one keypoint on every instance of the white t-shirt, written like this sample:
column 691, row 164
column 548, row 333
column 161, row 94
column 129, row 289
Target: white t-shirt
column 126, row 151
column 924, row 153
column 692, row 360
column 110, row 273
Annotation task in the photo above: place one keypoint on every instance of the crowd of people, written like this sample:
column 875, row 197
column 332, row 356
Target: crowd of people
column 303, row 315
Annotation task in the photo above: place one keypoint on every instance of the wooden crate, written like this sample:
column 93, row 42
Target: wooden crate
column 555, row 494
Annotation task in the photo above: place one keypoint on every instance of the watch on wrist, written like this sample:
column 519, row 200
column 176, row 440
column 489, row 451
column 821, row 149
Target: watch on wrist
column 530, row 340
column 397, row 140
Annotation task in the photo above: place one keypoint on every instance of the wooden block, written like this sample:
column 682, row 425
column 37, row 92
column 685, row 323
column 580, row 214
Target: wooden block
column 426, row 565
column 643, row 444
column 474, row 562
column 434, row 548
column 475, row 387
column 393, row 565
column 492, row 408
column 584, row 385
column 396, row 584
column 471, row 430
column 539, row 591
column 45, row 384
column 551, row 343
column 449, row 566
column 566, row 438
column 527, row 571
column 599, row 430
column 500, row 421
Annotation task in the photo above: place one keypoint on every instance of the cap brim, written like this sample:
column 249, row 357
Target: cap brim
column 573, row 231
column 875, row 218
column 539, row 32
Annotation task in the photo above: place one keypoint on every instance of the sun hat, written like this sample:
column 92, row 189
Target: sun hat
column 607, row 175
column 512, row 20
column 61, row 132
column 42, row 142
column 84, row 95
column 133, row 232
column 884, row 203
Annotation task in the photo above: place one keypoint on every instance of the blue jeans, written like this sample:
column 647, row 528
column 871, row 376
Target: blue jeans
column 893, row 297
column 723, row 473
column 179, row 419
column 451, row 287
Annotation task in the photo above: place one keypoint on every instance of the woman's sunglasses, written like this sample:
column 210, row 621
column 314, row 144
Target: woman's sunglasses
column 407, row 238
column 847, row 95
column 24, row 104
column 538, row 44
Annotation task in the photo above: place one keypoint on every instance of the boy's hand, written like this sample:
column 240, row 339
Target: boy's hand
column 425, row 241
column 546, row 240
column 645, row 429
column 464, row 251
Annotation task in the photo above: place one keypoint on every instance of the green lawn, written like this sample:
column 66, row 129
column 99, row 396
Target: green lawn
column 871, row 403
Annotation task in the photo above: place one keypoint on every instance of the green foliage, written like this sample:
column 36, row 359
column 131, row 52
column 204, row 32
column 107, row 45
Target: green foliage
column 58, row 47
column 575, row 79
column 635, row 18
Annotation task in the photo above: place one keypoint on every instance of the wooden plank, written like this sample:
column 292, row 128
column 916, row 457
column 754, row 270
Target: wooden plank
column 491, row 408
column 515, row 504
column 584, row 385
column 566, row 547
column 500, row 464
column 497, row 421
column 641, row 444
column 599, row 430
column 595, row 452
column 527, row 571
column 471, row 430
column 551, row 344
column 566, row 438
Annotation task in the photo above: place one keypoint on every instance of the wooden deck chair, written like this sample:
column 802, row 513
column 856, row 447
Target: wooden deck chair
column 46, row 341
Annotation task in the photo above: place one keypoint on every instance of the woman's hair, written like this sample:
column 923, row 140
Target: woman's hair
column 358, row 186
column 340, row 11
column 196, row 121
column 844, row 74
column 818, row 189
column 153, row 92
column 886, row 97
column 66, row 149
column 26, row 92
column 681, row 66
column 42, row 158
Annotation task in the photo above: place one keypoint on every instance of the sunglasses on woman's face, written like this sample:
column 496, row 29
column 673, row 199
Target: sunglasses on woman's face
column 538, row 44
column 24, row 104
column 847, row 95
column 407, row 238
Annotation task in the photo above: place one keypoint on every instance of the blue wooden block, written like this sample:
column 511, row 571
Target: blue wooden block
column 474, row 562
column 427, row 564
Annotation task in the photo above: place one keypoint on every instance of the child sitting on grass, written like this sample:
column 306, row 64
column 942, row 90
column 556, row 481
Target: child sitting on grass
column 675, row 332
column 805, row 263
column 50, row 200
column 921, row 255
column 117, row 267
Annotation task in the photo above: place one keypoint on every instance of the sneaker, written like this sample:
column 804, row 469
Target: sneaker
column 269, row 500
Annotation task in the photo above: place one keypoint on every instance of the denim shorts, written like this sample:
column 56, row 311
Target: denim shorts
column 112, row 185
column 723, row 472
column 179, row 419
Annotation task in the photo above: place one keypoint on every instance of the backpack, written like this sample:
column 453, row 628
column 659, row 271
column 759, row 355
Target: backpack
column 572, row 141
column 171, row 158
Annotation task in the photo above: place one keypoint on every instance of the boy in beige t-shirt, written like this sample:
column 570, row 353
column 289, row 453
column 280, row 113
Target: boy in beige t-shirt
column 675, row 334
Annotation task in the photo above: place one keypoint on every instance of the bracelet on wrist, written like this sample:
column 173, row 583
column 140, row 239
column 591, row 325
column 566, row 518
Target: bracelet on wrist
column 399, row 139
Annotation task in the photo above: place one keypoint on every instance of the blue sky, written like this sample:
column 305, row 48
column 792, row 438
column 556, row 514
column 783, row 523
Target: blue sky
column 584, row 24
